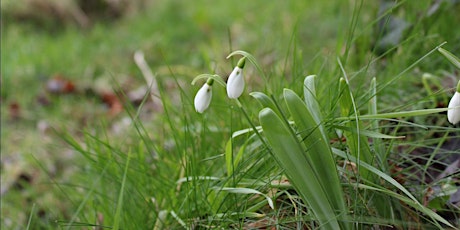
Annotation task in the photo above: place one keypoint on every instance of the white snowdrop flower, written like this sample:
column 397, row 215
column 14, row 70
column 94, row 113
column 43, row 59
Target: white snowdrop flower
column 203, row 96
column 453, row 114
column 235, row 83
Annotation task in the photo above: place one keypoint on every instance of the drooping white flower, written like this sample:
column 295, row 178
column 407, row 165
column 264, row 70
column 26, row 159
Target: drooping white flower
column 235, row 83
column 453, row 114
column 203, row 96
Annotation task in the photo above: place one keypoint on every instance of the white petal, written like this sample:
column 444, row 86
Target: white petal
column 235, row 83
column 203, row 98
column 453, row 115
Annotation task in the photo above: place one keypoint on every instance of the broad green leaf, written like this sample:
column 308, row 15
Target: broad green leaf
column 311, row 101
column 290, row 154
column 318, row 149
column 264, row 100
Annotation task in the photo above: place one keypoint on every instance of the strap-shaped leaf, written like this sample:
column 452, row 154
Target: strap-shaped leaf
column 319, row 152
column 309, row 92
column 289, row 152
column 264, row 100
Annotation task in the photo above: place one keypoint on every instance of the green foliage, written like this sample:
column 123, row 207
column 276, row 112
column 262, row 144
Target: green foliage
column 308, row 164
column 308, row 152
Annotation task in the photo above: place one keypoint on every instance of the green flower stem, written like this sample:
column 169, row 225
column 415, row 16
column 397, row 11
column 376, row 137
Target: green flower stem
column 458, row 87
column 206, row 76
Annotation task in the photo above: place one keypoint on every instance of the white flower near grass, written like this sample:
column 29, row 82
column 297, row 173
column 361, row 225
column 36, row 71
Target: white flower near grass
column 235, row 83
column 203, row 96
column 453, row 114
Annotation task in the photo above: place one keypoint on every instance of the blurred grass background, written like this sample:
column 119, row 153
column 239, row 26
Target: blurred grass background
column 65, row 62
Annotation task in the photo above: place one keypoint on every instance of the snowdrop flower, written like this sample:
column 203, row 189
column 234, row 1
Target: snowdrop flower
column 203, row 96
column 235, row 83
column 453, row 114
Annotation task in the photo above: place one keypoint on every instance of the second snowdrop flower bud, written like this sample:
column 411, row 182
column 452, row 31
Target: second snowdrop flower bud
column 203, row 96
column 453, row 114
column 235, row 83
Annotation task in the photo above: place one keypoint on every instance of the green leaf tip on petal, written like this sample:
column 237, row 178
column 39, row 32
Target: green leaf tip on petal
column 458, row 87
column 210, row 81
column 241, row 62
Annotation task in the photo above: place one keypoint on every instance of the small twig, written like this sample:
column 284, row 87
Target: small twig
column 148, row 76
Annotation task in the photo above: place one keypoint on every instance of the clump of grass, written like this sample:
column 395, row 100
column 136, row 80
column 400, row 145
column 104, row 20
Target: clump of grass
column 241, row 165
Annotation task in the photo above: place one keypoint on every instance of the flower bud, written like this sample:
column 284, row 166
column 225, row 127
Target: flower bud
column 235, row 83
column 453, row 114
column 203, row 96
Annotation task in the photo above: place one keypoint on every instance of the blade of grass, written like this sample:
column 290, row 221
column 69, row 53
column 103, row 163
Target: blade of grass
column 30, row 216
column 88, row 195
column 356, row 142
column 381, row 116
column 415, row 204
column 378, row 145
column 452, row 58
column 411, row 200
column 117, row 219
column 179, row 220
column 248, row 191
column 367, row 133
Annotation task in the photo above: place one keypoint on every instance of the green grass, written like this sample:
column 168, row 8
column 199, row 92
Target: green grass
column 174, row 168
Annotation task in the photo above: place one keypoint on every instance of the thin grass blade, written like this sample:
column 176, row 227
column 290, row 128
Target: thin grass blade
column 117, row 218
column 248, row 191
